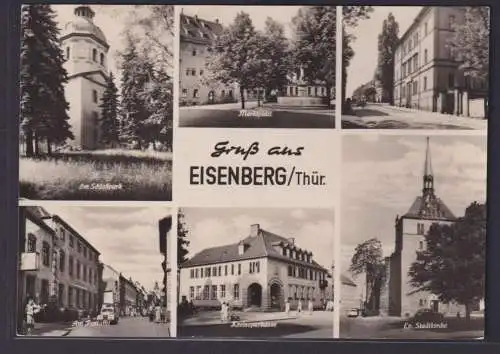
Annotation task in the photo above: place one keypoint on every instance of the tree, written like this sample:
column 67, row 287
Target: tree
column 109, row 113
column 275, row 51
column 351, row 17
column 387, row 43
column 135, row 72
column 368, row 259
column 452, row 266
column 182, row 241
column 235, row 56
column 470, row 44
column 315, row 45
column 42, row 76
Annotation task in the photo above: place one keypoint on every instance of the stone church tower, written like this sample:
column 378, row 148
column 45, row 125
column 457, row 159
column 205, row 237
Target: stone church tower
column 85, row 49
column 399, row 297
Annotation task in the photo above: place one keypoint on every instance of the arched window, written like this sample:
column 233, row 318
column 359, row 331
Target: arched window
column 68, row 52
column 102, row 59
column 94, row 55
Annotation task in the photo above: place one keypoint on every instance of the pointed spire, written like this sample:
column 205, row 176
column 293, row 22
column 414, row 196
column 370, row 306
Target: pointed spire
column 428, row 181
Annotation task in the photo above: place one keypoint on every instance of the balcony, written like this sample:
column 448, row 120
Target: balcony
column 30, row 261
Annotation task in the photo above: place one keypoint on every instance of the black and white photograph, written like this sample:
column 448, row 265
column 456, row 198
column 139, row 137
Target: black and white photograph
column 255, row 272
column 414, row 67
column 94, row 271
column 257, row 66
column 96, row 112
column 413, row 234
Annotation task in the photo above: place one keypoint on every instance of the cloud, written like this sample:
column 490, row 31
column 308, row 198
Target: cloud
column 299, row 214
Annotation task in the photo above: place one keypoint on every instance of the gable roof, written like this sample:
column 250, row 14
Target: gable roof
column 258, row 246
column 194, row 29
column 433, row 209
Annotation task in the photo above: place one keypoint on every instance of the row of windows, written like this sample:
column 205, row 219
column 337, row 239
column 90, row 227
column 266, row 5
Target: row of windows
column 300, row 256
column 192, row 72
column 196, row 93
column 305, row 273
column 209, row 292
column 82, row 271
column 96, row 57
column 299, row 292
column 82, row 249
column 218, row 271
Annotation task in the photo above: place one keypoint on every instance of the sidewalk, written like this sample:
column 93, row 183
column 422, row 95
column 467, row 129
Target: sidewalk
column 210, row 319
column 56, row 329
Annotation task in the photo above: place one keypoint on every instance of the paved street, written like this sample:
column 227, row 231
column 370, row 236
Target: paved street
column 227, row 116
column 381, row 116
column 394, row 328
column 126, row 327
column 207, row 324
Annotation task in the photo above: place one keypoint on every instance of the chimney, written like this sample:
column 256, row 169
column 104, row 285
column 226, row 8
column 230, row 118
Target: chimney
column 292, row 240
column 254, row 230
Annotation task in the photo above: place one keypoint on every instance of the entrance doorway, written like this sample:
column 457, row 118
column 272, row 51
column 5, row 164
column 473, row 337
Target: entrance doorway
column 276, row 297
column 255, row 295
column 435, row 305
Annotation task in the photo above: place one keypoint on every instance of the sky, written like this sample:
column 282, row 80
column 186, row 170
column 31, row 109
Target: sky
column 258, row 14
column 362, row 66
column 127, row 237
column 382, row 176
column 313, row 229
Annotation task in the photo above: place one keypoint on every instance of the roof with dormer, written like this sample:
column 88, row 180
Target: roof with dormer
column 259, row 246
column 197, row 30
column 82, row 24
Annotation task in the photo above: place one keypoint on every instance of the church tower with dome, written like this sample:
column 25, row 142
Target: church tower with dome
column 85, row 49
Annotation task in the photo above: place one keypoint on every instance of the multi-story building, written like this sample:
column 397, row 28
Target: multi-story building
column 57, row 264
column 426, row 74
column 260, row 271
column 400, row 297
column 85, row 49
column 128, row 296
column 110, row 284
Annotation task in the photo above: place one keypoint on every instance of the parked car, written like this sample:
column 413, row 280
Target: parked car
column 353, row 313
column 108, row 314
column 427, row 315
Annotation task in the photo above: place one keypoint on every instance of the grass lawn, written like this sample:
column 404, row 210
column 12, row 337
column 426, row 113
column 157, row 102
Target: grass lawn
column 97, row 175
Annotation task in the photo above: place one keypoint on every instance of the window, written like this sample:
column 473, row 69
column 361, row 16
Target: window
column 46, row 254
column 202, row 71
column 31, row 243
column 415, row 63
column 222, row 291
column 236, row 291
column 195, row 93
column 425, row 56
column 451, row 80
column 70, row 266
column 420, row 229
column 184, row 93
column 188, row 71
column 206, row 292
column 239, row 269
column 201, row 272
column 225, row 269
column 78, row 269
column 425, row 83
column 232, row 269
column 194, row 52
column 94, row 96
column 68, row 52
column 214, row 271
column 198, row 292
column 284, row 252
column 193, row 72
column 90, row 276
column 94, row 55
column 85, row 252
column 213, row 294
column 62, row 261
column 421, row 302
column 421, row 245
column 196, row 273
column 415, row 87
column 451, row 22
column 79, row 247
column 62, row 233
column 191, row 273
column 84, row 271
column 290, row 271
column 220, row 271
column 191, row 292
column 101, row 59
column 208, row 272
column 71, row 241
column 44, row 293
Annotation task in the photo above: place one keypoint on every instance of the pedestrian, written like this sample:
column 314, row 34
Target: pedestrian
column 287, row 307
column 31, row 309
column 157, row 314
column 223, row 312
column 310, row 307
column 299, row 307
